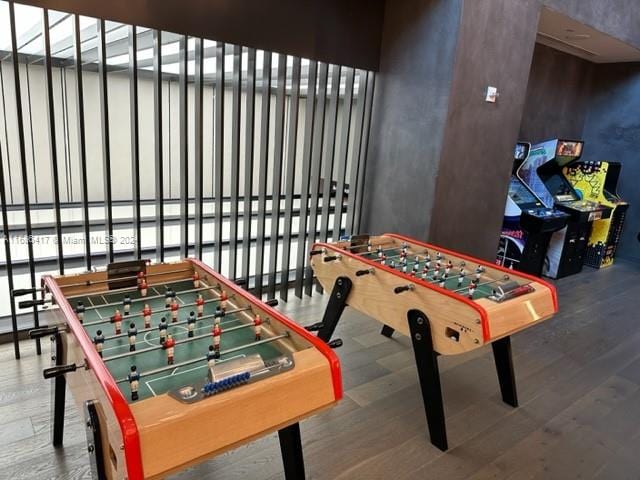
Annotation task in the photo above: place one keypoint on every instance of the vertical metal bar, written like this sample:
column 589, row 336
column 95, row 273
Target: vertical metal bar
column 7, row 256
column 23, row 164
column 184, row 153
column 135, row 139
column 248, row 163
column 65, row 130
column 330, row 149
column 82, row 144
column 290, row 176
column 263, row 169
column 310, row 108
column 159, row 164
column 198, row 150
column 106, row 148
column 31, row 141
column 53, row 150
column 342, row 153
column 371, row 81
column 6, row 132
column 235, row 159
column 316, row 162
column 276, row 189
column 355, row 154
column 218, row 159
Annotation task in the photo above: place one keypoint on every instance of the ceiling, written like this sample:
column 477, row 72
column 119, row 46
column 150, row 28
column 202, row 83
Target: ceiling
column 570, row 36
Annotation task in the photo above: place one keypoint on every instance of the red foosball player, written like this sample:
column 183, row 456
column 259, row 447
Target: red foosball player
column 448, row 267
column 383, row 259
column 131, row 333
column 200, row 305
column 196, row 280
column 80, row 311
column 472, row 289
column 143, row 287
column 98, row 341
column 146, row 315
column 117, row 321
column 134, row 382
column 174, row 311
column 141, row 277
column 162, row 329
column 169, row 346
column 224, row 300
column 216, row 332
column 126, row 304
column 257, row 327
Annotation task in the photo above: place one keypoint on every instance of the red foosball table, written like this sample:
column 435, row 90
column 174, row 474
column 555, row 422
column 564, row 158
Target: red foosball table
column 173, row 364
column 447, row 303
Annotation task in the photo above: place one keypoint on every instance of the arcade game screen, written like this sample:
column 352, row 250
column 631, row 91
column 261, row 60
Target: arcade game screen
column 521, row 194
column 559, row 187
column 567, row 151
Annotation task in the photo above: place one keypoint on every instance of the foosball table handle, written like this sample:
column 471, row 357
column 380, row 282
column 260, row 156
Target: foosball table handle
column 315, row 252
column 53, row 372
column 42, row 332
column 336, row 343
column 403, row 288
column 272, row 303
column 30, row 303
column 241, row 282
column 19, row 292
column 361, row 273
column 331, row 258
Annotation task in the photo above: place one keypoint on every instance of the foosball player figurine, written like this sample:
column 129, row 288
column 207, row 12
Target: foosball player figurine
column 216, row 338
column 448, row 267
column 383, row 259
column 443, row 280
column 380, row 251
column 168, row 296
column 416, row 267
column 218, row 315
column 117, row 321
column 200, row 305
column 461, row 276
column 369, row 246
column 191, row 324
column 174, row 311
column 141, row 277
column 80, row 311
column 131, row 333
column 196, row 280
column 224, row 300
column 438, row 256
column 143, row 287
column 257, row 327
column 212, row 355
column 479, row 271
column 472, row 289
column 134, row 381
column 98, row 341
column 169, row 346
column 126, row 304
column 146, row 315
column 162, row 328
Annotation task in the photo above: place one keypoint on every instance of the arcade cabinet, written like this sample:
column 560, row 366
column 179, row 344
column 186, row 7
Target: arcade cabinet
column 542, row 173
column 528, row 224
column 598, row 182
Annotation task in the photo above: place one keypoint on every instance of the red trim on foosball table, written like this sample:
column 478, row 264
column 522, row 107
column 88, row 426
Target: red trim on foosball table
column 533, row 278
column 484, row 321
column 128, row 427
column 334, row 363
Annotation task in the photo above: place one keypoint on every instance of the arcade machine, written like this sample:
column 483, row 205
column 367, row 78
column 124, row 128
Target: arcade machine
column 598, row 181
column 542, row 173
column 528, row 224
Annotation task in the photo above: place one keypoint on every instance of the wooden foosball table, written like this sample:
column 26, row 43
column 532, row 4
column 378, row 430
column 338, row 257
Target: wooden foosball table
column 173, row 364
column 447, row 303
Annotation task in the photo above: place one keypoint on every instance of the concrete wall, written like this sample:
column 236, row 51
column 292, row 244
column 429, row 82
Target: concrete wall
column 558, row 94
column 612, row 132
column 409, row 112
column 476, row 158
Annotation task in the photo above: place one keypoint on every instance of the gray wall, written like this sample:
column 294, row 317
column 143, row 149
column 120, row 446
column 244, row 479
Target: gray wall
column 612, row 132
column 410, row 108
column 557, row 96
column 344, row 32
column 475, row 164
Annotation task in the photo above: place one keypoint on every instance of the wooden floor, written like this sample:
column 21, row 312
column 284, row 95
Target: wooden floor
column 579, row 414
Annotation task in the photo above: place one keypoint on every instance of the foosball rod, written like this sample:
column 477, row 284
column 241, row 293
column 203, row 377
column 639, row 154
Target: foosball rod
column 121, row 279
column 353, row 247
column 157, row 312
column 183, row 322
column 150, row 297
column 196, row 360
column 481, row 284
column 179, row 342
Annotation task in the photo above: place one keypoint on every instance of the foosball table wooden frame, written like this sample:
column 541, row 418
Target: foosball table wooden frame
column 438, row 320
column 129, row 440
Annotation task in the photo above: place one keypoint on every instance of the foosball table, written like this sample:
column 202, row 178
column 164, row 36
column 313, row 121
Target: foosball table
column 173, row 364
column 447, row 303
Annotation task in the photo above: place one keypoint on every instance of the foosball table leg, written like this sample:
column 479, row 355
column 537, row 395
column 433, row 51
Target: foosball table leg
column 429, row 376
column 94, row 440
column 58, row 393
column 387, row 331
column 291, row 448
column 335, row 307
column 504, row 366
